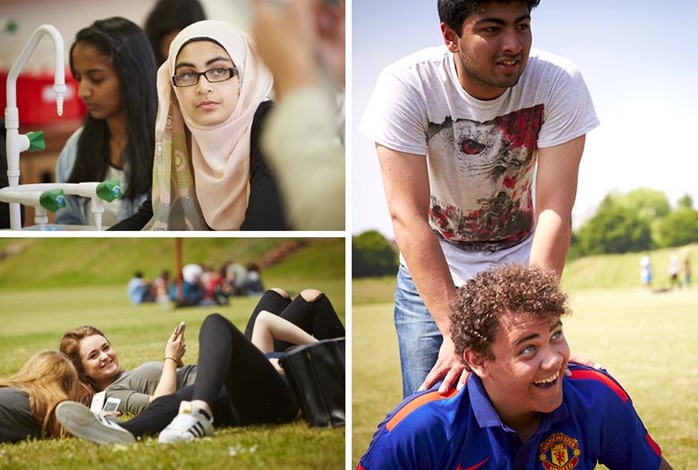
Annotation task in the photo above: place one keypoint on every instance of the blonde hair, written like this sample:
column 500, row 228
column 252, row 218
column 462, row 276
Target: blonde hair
column 48, row 377
column 70, row 346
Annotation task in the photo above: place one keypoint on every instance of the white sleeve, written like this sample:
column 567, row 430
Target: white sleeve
column 395, row 116
column 570, row 111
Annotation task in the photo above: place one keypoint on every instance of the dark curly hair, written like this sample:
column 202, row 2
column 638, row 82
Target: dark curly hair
column 454, row 12
column 512, row 288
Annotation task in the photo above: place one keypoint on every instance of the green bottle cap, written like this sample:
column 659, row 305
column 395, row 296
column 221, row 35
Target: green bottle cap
column 109, row 190
column 37, row 142
column 52, row 200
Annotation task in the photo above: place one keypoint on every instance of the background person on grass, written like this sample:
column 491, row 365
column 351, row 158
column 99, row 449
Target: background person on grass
column 238, row 378
column 29, row 397
column 460, row 130
column 139, row 290
column 518, row 408
column 646, row 272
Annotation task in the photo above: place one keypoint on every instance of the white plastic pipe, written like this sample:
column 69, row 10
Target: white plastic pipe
column 97, row 208
column 28, row 198
column 16, row 143
column 41, row 217
column 88, row 189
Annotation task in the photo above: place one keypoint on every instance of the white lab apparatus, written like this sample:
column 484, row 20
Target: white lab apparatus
column 48, row 196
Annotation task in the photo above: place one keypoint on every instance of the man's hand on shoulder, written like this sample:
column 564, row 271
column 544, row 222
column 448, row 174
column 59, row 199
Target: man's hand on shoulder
column 449, row 366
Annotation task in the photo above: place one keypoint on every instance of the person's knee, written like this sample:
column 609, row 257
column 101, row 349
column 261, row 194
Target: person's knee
column 280, row 291
column 263, row 318
column 214, row 320
column 310, row 295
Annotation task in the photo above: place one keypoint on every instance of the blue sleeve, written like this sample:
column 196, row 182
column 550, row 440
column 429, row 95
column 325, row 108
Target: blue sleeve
column 625, row 440
column 417, row 441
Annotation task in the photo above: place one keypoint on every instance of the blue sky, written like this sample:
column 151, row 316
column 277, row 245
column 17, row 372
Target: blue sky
column 639, row 60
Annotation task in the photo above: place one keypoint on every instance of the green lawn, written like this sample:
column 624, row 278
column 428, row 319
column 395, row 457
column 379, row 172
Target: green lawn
column 35, row 318
column 647, row 341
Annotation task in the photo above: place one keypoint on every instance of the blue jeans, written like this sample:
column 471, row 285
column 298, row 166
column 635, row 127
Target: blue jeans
column 419, row 339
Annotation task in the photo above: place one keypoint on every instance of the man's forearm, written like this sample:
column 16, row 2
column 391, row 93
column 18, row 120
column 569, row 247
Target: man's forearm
column 428, row 268
column 551, row 241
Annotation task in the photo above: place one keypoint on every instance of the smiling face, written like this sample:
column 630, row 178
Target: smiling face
column 206, row 103
column 523, row 373
column 98, row 83
column 492, row 49
column 99, row 360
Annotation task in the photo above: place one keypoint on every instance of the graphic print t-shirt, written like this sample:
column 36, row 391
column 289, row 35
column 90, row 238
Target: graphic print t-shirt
column 481, row 155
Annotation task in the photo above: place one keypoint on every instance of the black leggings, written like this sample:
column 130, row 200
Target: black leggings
column 317, row 317
column 234, row 377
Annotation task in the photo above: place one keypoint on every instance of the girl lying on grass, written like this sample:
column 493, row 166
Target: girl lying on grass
column 28, row 398
column 237, row 379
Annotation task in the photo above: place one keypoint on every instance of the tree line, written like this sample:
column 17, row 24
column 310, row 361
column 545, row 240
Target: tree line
column 639, row 220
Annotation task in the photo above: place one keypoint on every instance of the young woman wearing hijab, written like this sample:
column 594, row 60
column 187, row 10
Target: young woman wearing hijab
column 114, row 66
column 29, row 397
column 209, row 172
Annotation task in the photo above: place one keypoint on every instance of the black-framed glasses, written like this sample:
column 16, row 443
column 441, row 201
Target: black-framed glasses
column 218, row 74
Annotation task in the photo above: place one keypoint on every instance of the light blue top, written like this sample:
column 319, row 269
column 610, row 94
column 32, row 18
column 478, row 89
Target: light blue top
column 76, row 211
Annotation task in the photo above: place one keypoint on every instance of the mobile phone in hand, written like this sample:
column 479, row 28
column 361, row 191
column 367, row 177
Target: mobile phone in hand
column 180, row 328
column 112, row 404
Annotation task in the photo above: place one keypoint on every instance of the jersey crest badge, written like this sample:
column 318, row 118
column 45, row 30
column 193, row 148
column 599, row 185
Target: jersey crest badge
column 559, row 452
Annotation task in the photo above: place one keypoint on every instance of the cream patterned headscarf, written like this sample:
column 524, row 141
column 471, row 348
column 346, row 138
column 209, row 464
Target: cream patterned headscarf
column 203, row 182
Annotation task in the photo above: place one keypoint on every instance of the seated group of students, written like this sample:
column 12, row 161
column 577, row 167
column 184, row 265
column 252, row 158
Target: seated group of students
column 237, row 380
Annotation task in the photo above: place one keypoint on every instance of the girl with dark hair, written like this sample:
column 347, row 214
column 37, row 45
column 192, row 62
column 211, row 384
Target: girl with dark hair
column 114, row 66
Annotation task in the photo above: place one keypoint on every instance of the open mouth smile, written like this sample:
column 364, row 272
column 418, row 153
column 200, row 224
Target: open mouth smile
column 548, row 382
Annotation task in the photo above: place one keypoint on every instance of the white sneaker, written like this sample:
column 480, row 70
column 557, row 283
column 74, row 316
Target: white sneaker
column 79, row 421
column 189, row 424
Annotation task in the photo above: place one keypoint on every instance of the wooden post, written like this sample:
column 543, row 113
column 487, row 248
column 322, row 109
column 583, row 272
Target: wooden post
column 178, row 262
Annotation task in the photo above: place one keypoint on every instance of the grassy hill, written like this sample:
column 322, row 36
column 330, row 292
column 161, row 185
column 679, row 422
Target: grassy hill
column 32, row 263
column 592, row 272
column 622, row 271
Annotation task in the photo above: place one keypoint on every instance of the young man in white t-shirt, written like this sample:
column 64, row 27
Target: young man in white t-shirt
column 459, row 130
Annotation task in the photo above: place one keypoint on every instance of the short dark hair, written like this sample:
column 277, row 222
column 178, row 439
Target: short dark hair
column 512, row 289
column 454, row 12
column 168, row 16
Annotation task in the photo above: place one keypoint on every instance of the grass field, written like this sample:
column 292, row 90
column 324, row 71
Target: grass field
column 647, row 341
column 34, row 318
